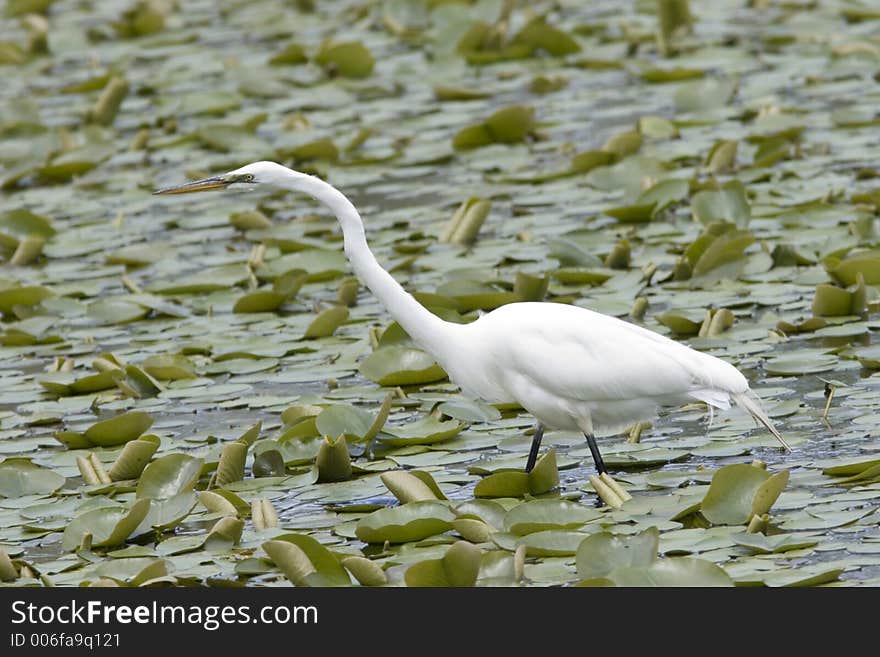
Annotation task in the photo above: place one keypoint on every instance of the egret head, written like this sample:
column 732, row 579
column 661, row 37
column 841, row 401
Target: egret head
column 255, row 173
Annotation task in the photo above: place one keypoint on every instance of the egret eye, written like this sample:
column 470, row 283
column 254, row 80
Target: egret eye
column 248, row 177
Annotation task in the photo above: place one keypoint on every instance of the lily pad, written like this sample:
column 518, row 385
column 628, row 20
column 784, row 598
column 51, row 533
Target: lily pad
column 118, row 430
column 107, row 526
column 542, row 515
column 405, row 523
column 458, row 567
column 738, row 492
column 169, row 475
column 401, row 366
column 426, row 431
column 601, row 554
column 19, row 477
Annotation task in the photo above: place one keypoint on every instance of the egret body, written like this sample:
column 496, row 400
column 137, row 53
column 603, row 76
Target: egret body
column 570, row 367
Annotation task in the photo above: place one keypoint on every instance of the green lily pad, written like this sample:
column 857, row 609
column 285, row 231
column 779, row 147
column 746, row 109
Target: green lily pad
column 846, row 271
column 344, row 420
column 169, row 475
column 674, row 571
column 327, row 322
column 134, row 458
column 738, row 492
column 365, row 571
column 601, row 554
column 405, row 523
column 542, row 515
column 333, row 460
column 327, row 569
column 551, row 543
column 117, row 311
column 458, row 567
column 425, row 431
column 797, row 365
column 776, row 544
column 543, row 478
column 167, row 513
column 169, row 367
column 108, row 526
column 19, row 477
column 259, row 301
column 729, row 203
column 350, row 59
column 118, row 430
column 230, row 467
column 28, row 295
column 401, row 366
column 412, row 486
column 850, row 468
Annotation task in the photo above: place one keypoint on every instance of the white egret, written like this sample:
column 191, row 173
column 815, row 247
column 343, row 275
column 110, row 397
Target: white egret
column 570, row 367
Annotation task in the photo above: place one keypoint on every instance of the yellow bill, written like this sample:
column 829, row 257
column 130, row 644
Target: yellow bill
column 204, row 185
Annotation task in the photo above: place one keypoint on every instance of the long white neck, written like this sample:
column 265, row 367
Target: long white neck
column 426, row 329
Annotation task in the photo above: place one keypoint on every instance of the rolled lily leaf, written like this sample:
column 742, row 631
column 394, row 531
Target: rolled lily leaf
column 133, row 458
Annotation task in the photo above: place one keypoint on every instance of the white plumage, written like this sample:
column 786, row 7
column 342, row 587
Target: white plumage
column 570, row 367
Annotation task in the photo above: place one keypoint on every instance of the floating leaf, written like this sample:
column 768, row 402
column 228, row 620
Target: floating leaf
column 169, row 475
column 400, row 366
column 675, row 571
column 327, row 322
column 118, row 430
column 170, row 367
column 19, row 477
column 550, row 543
column 350, row 59
column 134, row 458
column 796, row 365
column 601, row 554
column 542, row 515
column 333, row 460
column 846, row 271
column 412, row 486
column 407, row 522
column 290, row 55
column 458, row 567
column 107, row 525
column 269, row 463
column 851, row 468
column 737, row 492
column 344, row 420
column 328, row 570
column 167, row 513
column 365, row 571
column 230, row 468
column 503, row 484
column 729, row 203
column 539, row 35
column 544, row 477
column 117, row 311
column 508, row 125
column 778, row 543
column 259, row 301
column 28, row 295
column 225, row 533
column 425, row 431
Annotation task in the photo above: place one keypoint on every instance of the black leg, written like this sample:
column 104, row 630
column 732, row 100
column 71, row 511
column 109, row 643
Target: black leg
column 536, row 445
column 597, row 457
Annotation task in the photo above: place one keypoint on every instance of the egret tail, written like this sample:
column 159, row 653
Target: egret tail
column 758, row 413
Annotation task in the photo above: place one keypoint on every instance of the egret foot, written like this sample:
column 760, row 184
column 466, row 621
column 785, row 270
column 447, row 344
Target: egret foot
column 609, row 491
column 536, row 445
